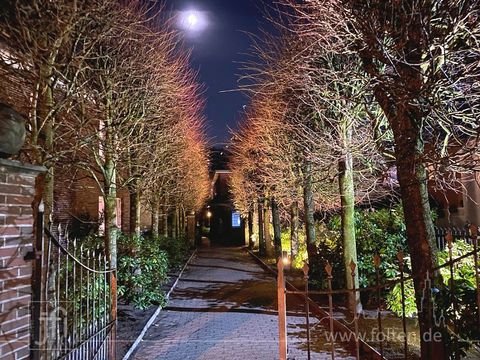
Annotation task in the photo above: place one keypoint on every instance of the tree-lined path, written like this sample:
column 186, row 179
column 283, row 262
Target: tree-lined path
column 224, row 307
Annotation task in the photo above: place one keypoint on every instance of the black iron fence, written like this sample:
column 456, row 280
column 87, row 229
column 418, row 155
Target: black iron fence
column 458, row 233
column 74, row 313
column 450, row 303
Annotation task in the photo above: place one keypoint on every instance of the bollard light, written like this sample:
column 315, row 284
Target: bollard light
column 285, row 259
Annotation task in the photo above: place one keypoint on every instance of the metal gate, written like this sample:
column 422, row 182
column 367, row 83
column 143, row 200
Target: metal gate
column 445, row 320
column 74, row 314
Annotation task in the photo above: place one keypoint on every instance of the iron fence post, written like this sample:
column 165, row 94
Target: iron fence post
column 353, row 267
column 282, row 311
column 453, row 299
column 474, row 235
column 400, row 258
column 377, row 262
column 328, row 270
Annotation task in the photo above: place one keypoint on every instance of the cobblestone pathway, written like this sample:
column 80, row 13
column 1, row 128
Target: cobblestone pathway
column 224, row 307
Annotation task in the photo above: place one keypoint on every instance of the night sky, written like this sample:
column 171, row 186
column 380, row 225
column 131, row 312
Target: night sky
column 217, row 53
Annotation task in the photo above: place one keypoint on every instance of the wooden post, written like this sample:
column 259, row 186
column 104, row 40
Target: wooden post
column 307, row 306
column 282, row 312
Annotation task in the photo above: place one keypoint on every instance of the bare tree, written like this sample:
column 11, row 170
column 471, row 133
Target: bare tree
column 315, row 104
column 422, row 59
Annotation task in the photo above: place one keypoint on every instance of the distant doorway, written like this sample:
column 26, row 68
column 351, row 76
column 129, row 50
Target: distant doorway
column 225, row 226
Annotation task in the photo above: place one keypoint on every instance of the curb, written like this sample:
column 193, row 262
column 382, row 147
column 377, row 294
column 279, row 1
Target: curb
column 155, row 314
column 368, row 350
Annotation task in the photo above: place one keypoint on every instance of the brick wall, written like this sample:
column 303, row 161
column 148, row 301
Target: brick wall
column 63, row 193
column 85, row 199
column 84, row 194
column 17, row 183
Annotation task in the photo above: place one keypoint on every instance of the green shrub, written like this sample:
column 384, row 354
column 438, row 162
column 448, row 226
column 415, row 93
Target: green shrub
column 285, row 239
column 143, row 263
column 461, row 289
column 329, row 247
column 88, row 287
column 177, row 250
column 302, row 256
column 394, row 299
column 380, row 232
column 464, row 270
column 377, row 232
column 142, row 269
column 456, row 299
column 463, row 285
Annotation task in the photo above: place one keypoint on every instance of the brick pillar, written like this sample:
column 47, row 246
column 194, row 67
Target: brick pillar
column 17, row 190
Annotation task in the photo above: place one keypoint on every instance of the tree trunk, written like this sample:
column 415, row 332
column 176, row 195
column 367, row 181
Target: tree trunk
column 44, row 146
column 412, row 177
column 250, row 229
column 347, row 197
column 277, row 231
column 43, row 140
column 43, row 134
column 309, row 210
column 165, row 220
column 261, row 238
column 182, row 222
column 398, row 90
column 405, row 120
column 135, row 212
column 155, row 220
column 255, row 232
column 175, row 223
column 191, row 228
column 110, row 214
column 110, row 200
column 270, row 250
column 178, row 229
column 294, row 226
column 246, row 232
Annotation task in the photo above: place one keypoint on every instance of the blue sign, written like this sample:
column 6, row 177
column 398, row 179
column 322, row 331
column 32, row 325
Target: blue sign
column 236, row 220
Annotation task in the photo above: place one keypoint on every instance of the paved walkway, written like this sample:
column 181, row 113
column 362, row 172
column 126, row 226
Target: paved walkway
column 224, row 307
